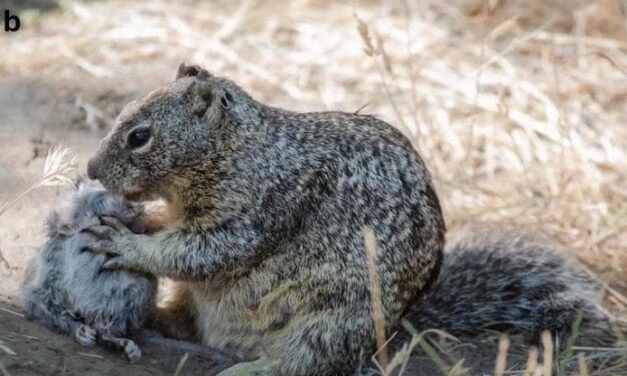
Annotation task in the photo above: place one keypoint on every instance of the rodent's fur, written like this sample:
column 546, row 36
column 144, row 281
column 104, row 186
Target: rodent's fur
column 268, row 209
column 65, row 286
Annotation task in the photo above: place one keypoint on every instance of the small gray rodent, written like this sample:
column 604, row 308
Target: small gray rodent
column 66, row 287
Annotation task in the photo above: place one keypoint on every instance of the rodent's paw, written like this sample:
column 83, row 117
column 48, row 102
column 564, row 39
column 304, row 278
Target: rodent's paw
column 132, row 351
column 86, row 335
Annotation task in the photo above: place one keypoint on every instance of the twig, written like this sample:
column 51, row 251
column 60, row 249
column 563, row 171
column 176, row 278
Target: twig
column 3, row 260
column 11, row 312
column 91, row 355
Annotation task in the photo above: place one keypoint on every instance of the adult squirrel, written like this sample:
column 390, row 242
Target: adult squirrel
column 267, row 210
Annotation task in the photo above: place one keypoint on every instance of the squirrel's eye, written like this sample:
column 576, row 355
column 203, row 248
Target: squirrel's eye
column 139, row 137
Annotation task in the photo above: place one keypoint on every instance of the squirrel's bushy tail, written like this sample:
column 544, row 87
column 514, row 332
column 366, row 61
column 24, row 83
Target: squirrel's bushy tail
column 512, row 284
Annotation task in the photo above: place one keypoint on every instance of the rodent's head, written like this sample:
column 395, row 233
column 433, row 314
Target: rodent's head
column 81, row 208
column 171, row 129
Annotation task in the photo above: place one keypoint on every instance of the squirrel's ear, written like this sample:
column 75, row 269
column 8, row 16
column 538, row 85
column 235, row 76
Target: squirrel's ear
column 201, row 97
column 192, row 71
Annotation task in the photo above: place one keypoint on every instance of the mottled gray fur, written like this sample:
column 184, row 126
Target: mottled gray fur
column 268, row 208
column 512, row 283
column 66, row 287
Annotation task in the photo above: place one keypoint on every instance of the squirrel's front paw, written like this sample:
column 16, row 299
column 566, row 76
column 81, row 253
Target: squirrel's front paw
column 259, row 367
column 116, row 240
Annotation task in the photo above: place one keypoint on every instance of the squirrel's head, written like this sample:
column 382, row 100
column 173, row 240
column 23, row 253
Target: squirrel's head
column 171, row 130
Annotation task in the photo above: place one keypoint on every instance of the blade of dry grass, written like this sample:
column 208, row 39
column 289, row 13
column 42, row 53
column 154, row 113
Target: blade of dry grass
column 6, row 349
column 4, row 260
column 57, row 168
column 532, row 362
column 11, row 312
column 181, row 364
column 370, row 244
column 501, row 358
column 547, row 359
column 583, row 366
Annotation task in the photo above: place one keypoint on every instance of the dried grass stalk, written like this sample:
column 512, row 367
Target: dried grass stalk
column 547, row 361
column 501, row 358
column 370, row 244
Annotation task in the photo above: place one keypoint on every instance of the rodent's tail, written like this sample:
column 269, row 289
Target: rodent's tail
column 512, row 284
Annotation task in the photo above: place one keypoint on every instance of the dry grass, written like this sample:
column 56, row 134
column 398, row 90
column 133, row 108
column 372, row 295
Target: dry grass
column 58, row 166
column 532, row 362
column 501, row 358
column 547, row 344
column 519, row 108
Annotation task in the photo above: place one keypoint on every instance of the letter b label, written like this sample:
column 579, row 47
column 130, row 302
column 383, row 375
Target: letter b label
column 11, row 22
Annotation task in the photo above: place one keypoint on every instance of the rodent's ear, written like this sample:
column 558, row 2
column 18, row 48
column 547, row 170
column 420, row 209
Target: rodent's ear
column 192, row 71
column 201, row 96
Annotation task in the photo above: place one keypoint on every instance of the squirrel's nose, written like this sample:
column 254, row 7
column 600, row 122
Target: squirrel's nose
column 92, row 171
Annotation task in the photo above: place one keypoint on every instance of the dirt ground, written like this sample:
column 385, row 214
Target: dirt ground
column 41, row 353
column 73, row 67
